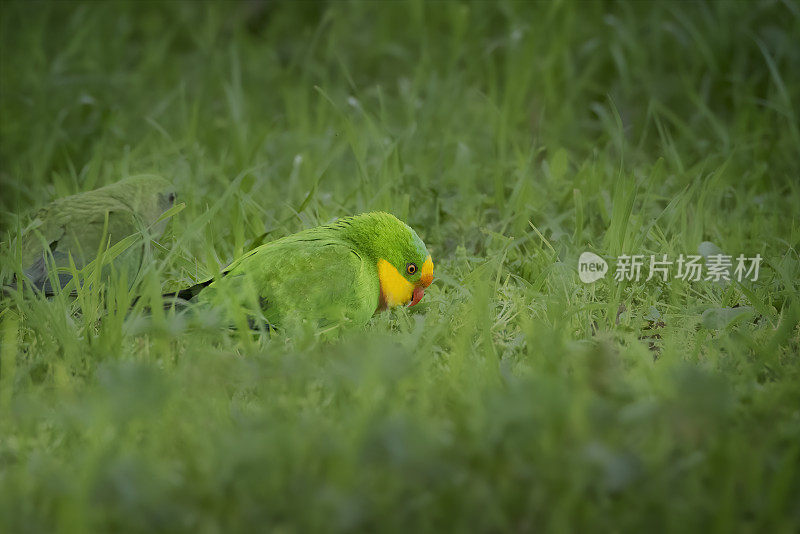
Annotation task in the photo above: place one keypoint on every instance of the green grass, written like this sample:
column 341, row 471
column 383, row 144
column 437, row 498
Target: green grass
column 513, row 137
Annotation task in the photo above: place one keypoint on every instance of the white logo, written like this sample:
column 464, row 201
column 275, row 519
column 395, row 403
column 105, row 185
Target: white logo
column 591, row 267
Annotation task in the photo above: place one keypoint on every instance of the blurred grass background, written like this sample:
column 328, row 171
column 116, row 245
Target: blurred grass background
column 513, row 136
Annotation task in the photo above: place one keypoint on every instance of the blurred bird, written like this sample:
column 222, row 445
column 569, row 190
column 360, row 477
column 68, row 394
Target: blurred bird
column 342, row 271
column 85, row 224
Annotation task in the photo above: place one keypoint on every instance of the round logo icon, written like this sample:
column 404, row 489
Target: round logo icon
column 591, row 267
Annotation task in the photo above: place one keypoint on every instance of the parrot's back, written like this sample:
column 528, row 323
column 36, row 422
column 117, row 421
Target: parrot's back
column 314, row 274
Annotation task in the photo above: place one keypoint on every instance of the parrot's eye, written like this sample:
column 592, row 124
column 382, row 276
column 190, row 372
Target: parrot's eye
column 411, row 268
column 171, row 198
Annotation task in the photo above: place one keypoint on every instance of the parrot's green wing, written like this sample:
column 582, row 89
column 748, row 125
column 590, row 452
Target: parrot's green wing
column 78, row 229
column 308, row 276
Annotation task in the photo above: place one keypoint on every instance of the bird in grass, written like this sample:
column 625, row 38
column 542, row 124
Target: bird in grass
column 342, row 271
column 83, row 225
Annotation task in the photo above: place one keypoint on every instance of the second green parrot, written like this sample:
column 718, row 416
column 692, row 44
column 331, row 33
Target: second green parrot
column 80, row 226
column 342, row 271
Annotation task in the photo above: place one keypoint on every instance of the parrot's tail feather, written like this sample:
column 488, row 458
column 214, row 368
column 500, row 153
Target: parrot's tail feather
column 179, row 299
column 190, row 292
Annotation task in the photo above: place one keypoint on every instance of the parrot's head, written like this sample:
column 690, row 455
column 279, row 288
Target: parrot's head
column 149, row 196
column 405, row 268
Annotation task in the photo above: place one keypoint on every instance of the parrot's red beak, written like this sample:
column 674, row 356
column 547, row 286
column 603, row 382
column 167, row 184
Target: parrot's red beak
column 425, row 280
column 419, row 292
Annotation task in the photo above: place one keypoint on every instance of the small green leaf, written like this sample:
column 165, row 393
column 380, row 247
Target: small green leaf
column 174, row 210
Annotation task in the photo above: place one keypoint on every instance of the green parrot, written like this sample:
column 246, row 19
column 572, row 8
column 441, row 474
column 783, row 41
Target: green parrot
column 74, row 226
column 342, row 271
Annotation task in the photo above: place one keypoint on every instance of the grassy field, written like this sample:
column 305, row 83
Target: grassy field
column 512, row 137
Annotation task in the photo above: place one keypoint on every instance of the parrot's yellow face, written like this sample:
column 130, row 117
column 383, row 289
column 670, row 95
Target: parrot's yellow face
column 405, row 267
column 408, row 288
column 403, row 263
